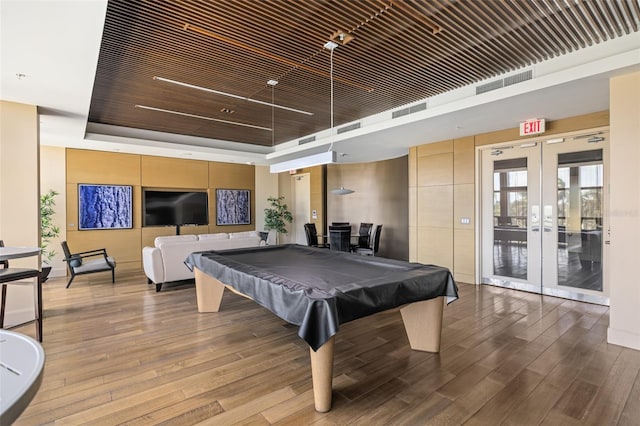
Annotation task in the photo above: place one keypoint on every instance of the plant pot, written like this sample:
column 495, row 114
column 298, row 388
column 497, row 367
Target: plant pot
column 44, row 272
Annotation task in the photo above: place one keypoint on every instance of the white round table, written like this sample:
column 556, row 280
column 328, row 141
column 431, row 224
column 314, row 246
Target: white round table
column 21, row 367
column 7, row 253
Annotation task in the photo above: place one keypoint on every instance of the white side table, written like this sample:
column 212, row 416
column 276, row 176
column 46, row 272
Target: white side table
column 21, row 367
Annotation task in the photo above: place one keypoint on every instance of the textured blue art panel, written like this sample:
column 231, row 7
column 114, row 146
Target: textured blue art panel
column 104, row 206
column 233, row 207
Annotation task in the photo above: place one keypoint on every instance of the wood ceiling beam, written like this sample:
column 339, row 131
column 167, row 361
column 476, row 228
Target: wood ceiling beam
column 272, row 56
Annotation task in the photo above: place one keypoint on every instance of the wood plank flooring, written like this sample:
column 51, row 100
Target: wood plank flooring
column 125, row 355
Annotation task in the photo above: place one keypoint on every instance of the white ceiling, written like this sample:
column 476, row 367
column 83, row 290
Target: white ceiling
column 49, row 51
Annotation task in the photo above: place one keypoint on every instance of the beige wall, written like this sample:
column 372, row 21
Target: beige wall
column 141, row 171
column 266, row 186
column 19, row 195
column 52, row 176
column 624, row 327
column 380, row 197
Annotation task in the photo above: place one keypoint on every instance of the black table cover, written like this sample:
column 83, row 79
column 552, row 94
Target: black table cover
column 319, row 289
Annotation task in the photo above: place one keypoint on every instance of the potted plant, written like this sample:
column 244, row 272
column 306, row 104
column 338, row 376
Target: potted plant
column 48, row 230
column 276, row 217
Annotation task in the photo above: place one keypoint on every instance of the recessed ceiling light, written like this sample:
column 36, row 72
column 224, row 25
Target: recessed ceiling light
column 272, row 82
column 227, row 110
column 231, row 95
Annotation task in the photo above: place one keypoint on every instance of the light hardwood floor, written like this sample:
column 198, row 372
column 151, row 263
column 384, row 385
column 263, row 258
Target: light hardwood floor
column 124, row 354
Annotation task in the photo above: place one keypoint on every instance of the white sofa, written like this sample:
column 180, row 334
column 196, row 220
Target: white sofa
column 165, row 262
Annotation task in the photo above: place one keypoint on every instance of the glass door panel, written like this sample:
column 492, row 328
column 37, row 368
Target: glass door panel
column 510, row 208
column 577, row 232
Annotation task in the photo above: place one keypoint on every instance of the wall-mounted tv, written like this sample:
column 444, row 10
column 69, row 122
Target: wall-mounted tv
column 175, row 208
column 104, row 207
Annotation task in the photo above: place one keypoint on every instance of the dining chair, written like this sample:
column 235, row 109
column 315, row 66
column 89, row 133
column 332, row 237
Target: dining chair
column 311, row 233
column 371, row 251
column 339, row 239
column 364, row 236
column 99, row 261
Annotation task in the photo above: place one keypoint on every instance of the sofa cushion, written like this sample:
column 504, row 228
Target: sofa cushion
column 174, row 238
column 244, row 234
column 217, row 236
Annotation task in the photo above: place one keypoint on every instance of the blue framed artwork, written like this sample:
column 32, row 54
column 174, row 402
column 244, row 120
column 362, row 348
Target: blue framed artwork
column 104, row 206
column 233, row 207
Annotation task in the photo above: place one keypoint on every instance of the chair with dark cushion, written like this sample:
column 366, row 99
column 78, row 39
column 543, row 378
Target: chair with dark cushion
column 99, row 261
column 311, row 233
column 371, row 251
column 364, row 236
column 340, row 224
column 340, row 238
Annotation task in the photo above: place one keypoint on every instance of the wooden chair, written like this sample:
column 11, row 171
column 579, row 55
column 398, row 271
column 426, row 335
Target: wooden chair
column 100, row 262
column 371, row 251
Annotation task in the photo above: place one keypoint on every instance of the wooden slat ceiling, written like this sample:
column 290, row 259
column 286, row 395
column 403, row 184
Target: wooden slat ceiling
column 402, row 51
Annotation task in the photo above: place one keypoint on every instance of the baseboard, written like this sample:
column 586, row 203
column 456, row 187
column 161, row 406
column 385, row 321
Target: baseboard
column 623, row 338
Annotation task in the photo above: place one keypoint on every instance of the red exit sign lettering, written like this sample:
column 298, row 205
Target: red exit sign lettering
column 532, row 127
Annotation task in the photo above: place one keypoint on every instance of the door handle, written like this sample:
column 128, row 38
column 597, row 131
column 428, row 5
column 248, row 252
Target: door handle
column 535, row 218
column 548, row 218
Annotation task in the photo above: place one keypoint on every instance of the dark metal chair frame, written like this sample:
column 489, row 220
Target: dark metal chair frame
column 68, row 257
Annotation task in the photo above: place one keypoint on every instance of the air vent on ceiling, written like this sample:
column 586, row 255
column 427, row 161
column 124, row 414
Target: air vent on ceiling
column 518, row 78
column 504, row 82
column 409, row 110
column 348, row 128
column 306, row 140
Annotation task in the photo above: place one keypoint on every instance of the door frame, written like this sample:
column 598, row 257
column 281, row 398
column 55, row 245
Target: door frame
column 602, row 300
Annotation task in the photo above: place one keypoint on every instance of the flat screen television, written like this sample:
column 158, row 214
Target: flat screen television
column 175, row 208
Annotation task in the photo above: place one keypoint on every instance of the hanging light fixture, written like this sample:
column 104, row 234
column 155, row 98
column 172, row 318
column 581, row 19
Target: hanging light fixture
column 327, row 157
column 342, row 191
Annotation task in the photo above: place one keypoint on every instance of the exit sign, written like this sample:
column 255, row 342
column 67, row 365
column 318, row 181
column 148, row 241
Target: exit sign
column 532, row 127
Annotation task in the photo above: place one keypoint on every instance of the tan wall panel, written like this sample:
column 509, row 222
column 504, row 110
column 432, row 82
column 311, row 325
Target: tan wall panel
column 587, row 121
column 413, row 166
column 162, row 172
column 122, row 244
column 464, row 254
column 435, row 148
column 435, row 206
column 464, row 205
column 72, row 206
column 435, row 170
column 435, row 246
column 413, row 244
column 413, row 206
column 464, row 278
column 84, row 166
column 231, row 176
column 464, row 160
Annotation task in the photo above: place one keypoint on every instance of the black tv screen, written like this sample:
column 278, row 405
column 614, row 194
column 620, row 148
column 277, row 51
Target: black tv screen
column 171, row 208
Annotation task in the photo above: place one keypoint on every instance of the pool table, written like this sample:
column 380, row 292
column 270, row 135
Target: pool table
column 319, row 289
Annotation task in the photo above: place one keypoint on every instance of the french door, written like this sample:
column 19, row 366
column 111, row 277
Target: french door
column 544, row 221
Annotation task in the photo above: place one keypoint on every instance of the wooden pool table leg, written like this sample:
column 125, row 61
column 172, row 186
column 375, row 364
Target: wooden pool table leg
column 322, row 375
column 208, row 292
column 423, row 323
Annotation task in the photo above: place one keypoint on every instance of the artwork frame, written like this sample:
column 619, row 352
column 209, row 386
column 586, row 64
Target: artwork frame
column 233, row 207
column 103, row 206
